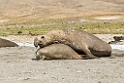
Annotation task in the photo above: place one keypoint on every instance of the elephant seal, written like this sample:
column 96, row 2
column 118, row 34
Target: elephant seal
column 57, row 51
column 78, row 40
column 7, row 43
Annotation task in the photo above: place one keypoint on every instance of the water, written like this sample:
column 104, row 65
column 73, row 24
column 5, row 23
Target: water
column 26, row 44
column 118, row 47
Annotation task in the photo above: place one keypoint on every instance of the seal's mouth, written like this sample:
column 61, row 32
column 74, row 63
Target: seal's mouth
column 37, row 58
column 40, row 45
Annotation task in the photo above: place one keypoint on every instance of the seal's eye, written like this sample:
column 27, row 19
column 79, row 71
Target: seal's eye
column 42, row 37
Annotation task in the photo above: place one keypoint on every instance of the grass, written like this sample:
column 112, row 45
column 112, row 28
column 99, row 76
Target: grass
column 44, row 26
column 110, row 28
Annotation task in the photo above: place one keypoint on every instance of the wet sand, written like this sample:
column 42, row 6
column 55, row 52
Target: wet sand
column 17, row 66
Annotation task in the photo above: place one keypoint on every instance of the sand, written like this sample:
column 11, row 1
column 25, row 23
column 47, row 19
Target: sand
column 17, row 66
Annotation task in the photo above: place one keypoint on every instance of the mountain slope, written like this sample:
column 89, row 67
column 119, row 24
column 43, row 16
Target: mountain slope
column 46, row 9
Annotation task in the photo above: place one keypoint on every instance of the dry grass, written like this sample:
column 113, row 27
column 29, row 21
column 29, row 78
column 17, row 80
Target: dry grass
column 54, row 9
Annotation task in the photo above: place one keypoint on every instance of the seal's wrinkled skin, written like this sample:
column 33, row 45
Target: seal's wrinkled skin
column 7, row 43
column 57, row 51
column 78, row 40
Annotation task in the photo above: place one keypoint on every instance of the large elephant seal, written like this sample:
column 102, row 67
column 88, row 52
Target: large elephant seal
column 7, row 43
column 57, row 51
column 78, row 40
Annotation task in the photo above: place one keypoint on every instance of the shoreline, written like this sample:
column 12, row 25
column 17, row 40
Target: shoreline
column 114, row 46
column 27, row 40
column 30, row 39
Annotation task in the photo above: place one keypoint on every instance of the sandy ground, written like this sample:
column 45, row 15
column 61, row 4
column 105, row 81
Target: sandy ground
column 17, row 66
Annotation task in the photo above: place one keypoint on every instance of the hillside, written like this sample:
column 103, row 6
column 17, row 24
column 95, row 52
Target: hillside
column 52, row 9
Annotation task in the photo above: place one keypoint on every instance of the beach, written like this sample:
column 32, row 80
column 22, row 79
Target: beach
column 17, row 65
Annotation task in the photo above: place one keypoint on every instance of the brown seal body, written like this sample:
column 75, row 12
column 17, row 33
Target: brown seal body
column 57, row 51
column 78, row 40
column 7, row 43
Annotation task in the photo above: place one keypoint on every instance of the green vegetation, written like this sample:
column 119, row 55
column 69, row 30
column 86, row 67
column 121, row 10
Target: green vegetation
column 43, row 26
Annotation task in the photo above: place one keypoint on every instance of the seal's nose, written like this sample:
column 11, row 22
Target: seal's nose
column 35, row 44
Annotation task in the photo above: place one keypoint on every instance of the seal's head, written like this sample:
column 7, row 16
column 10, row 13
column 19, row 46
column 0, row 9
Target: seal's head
column 41, row 41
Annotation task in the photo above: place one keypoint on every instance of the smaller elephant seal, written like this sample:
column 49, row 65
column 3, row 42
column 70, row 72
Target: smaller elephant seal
column 57, row 51
column 7, row 43
column 78, row 40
